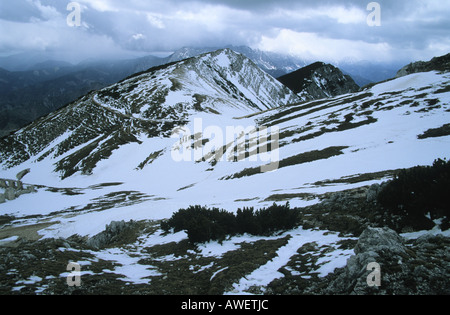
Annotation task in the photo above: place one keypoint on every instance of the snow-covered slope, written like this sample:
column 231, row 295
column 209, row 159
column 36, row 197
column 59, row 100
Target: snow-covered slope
column 325, row 141
column 110, row 157
column 149, row 105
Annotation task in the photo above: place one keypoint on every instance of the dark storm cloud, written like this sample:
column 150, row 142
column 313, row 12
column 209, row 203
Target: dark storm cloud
column 268, row 5
column 328, row 29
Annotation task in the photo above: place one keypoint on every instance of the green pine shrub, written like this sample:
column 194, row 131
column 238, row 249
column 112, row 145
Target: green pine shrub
column 202, row 224
column 419, row 194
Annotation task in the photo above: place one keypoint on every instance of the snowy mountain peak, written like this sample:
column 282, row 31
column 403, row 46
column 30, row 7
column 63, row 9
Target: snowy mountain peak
column 222, row 84
column 219, row 82
column 273, row 63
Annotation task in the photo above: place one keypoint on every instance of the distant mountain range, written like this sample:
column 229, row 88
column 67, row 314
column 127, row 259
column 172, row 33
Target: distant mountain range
column 42, row 86
column 27, row 95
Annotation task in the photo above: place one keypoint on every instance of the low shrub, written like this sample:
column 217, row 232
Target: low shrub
column 419, row 194
column 202, row 224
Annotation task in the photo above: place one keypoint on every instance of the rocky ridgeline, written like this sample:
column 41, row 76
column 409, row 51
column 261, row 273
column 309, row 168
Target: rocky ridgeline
column 15, row 188
column 441, row 63
column 318, row 81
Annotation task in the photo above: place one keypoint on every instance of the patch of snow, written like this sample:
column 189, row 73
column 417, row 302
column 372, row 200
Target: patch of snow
column 217, row 272
column 268, row 272
column 9, row 239
column 435, row 231
column 130, row 268
column 414, row 81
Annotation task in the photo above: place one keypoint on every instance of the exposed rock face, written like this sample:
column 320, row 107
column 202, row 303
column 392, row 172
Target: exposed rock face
column 372, row 192
column 376, row 239
column 114, row 232
column 436, row 64
column 319, row 80
column 419, row 267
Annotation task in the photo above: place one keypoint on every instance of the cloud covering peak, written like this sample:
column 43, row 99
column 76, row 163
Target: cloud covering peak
column 322, row 30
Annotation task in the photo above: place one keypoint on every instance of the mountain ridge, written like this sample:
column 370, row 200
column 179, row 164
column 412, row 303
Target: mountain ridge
column 47, row 88
column 23, row 102
column 153, row 102
column 441, row 63
column 319, row 80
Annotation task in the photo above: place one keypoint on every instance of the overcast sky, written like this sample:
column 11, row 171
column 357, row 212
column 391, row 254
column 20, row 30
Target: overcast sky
column 326, row 30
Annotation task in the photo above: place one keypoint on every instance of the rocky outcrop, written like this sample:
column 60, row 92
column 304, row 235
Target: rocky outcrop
column 319, row 80
column 436, row 64
column 418, row 267
column 114, row 232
